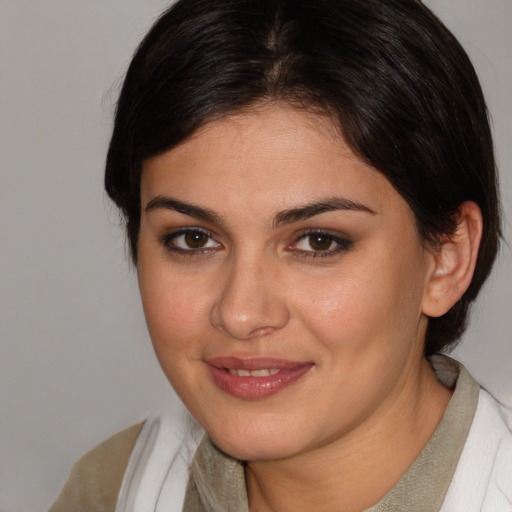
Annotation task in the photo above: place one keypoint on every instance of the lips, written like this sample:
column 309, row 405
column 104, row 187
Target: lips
column 255, row 378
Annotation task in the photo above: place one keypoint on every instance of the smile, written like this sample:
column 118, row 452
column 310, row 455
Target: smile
column 255, row 379
column 253, row 373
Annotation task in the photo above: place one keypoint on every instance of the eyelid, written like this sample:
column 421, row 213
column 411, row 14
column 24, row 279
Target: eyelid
column 168, row 238
column 344, row 243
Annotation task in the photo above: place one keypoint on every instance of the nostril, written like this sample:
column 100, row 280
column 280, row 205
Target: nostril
column 262, row 331
column 249, row 305
column 248, row 325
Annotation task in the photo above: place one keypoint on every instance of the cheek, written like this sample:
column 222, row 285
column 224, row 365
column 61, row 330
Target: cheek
column 175, row 310
column 177, row 318
column 365, row 307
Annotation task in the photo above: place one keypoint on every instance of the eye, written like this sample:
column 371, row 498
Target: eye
column 319, row 243
column 190, row 240
column 316, row 242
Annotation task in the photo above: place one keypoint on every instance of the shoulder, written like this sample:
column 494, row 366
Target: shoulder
column 96, row 478
column 158, row 470
column 499, row 493
column 483, row 478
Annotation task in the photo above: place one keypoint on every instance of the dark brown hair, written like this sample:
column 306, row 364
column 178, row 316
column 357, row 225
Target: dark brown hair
column 388, row 73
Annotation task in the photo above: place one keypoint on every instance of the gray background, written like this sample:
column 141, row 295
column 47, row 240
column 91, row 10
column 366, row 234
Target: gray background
column 76, row 363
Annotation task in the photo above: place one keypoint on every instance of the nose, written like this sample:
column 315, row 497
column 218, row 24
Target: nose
column 251, row 301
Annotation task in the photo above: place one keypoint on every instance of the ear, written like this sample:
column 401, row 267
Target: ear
column 454, row 262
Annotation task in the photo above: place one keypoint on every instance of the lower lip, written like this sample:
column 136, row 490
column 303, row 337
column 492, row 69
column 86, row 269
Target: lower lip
column 256, row 388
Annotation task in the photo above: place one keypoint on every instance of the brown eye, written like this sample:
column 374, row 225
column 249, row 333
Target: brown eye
column 319, row 242
column 191, row 241
column 196, row 239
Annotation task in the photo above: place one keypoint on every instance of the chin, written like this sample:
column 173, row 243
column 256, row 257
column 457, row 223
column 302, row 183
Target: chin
column 257, row 443
column 254, row 450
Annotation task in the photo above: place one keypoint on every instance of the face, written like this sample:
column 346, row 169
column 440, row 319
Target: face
column 282, row 281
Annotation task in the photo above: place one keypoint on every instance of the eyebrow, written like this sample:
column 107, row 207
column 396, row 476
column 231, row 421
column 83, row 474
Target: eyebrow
column 327, row 205
column 168, row 203
column 284, row 217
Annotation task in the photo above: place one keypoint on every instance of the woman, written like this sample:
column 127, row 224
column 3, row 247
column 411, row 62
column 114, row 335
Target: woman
column 310, row 197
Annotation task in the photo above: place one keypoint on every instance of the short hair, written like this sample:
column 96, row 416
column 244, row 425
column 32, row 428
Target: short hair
column 391, row 76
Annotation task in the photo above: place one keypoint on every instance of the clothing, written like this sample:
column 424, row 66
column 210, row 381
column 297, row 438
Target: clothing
column 95, row 479
column 217, row 480
column 478, row 479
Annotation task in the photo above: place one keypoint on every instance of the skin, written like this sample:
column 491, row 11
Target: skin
column 357, row 311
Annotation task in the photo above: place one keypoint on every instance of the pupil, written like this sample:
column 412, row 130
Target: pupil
column 196, row 240
column 320, row 242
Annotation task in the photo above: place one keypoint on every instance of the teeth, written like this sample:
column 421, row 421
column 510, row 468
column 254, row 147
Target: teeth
column 254, row 373
column 260, row 373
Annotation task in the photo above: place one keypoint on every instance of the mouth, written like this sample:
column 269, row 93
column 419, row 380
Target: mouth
column 255, row 378
column 254, row 373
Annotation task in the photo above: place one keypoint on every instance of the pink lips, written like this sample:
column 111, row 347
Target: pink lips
column 255, row 378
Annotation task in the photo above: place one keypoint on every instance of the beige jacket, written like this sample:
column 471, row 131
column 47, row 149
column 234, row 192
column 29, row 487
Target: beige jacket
column 94, row 482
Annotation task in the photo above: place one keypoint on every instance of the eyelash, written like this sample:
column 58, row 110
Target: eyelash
column 342, row 244
column 169, row 241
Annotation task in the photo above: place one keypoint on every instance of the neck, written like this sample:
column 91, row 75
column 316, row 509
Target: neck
column 355, row 471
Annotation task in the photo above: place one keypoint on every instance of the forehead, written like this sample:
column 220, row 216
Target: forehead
column 267, row 159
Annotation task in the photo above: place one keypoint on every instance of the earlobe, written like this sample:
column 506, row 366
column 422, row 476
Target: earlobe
column 454, row 262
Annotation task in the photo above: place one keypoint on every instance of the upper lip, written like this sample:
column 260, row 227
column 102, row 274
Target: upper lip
column 253, row 363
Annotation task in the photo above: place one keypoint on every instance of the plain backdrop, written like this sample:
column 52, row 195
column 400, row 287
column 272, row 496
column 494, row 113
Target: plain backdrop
column 76, row 363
